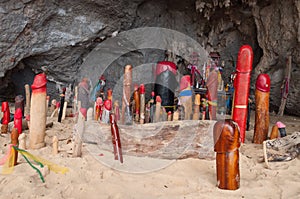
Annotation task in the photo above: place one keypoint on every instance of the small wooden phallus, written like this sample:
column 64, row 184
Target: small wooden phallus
column 142, row 104
column 5, row 118
column 14, row 140
column 54, row 145
column 27, row 97
column 212, row 94
column 116, row 141
column 62, row 102
column 227, row 143
column 157, row 117
column 136, row 97
column 98, row 108
column 38, row 112
column 262, row 119
column 274, row 132
column 22, row 141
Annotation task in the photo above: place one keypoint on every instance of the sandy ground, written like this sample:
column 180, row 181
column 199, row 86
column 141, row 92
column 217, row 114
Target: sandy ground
column 89, row 177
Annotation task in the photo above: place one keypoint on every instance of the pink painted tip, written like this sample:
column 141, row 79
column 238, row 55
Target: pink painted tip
column 136, row 87
column 48, row 97
column 57, row 104
column 152, row 94
column 280, row 125
column 169, row 113
column 158, row 99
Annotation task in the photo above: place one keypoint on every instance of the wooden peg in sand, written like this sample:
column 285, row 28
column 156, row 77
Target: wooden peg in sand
column 157, row 109
column 126, row 116
column 197, row 107
column 22, row 141
column 38, row 112
column 227, row 143
column 54, row 145
column 262, row 95
column 14, row 140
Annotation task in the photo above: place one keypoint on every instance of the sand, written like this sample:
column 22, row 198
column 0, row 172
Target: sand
column 92, row 175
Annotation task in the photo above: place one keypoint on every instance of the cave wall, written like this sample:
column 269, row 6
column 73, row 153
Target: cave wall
column 58, row 35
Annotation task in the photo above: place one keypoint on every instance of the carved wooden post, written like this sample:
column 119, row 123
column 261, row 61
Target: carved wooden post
column 152, row 106
column 197, row 107
column 242, row 86
column 285, row 86
column 212, row 94
column 227, row 143
column 63, row 117
column 126, row 117
column 185, row 96
column 38, row 112
column 262, row 119
column 5, row 118
column 62, row 102
column 14, row 140
column 142, row 104
column 27, row 106
column 18, row 120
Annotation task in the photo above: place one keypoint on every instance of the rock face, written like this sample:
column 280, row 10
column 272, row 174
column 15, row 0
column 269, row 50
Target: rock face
column 56, row 36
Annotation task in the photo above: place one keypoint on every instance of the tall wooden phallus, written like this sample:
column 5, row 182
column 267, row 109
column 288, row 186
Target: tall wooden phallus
column 262, row 119
column 212, row 94
column 18, row 120
column 38, row 112
column 241, row 88
column 127, row 82
column 165, row 83
column 5, row 118
column 185, row 96
column 227, row 143
column 142, row 104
